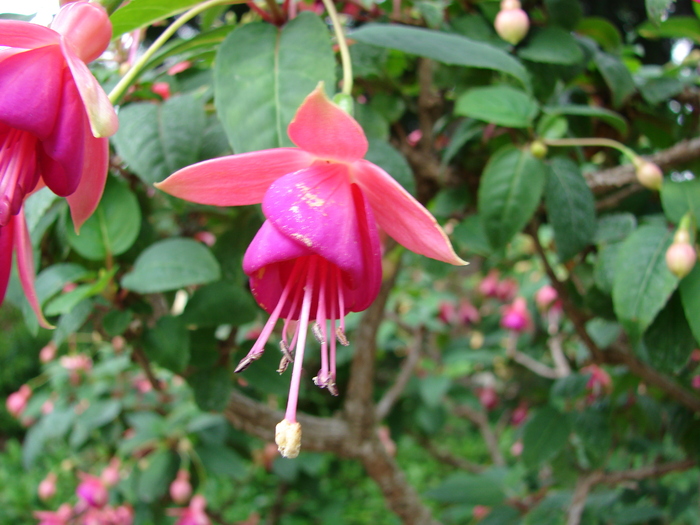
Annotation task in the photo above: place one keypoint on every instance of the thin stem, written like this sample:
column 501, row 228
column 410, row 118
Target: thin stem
column 342, row 46
column 594, row 142
column 119, row 90
column 276, row 12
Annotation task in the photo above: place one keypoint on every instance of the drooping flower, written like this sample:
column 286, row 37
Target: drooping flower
column 317, row 256
column 54, row 118
column 92, row 490
column 61, row 517
column 193, row 514
column 180, row 489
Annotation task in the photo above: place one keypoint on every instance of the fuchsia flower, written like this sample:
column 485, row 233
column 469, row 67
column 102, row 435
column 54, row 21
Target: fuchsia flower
column 53, row 119
column 92, row 490
column 193, row 514
column 61, row 517
column 317, row 256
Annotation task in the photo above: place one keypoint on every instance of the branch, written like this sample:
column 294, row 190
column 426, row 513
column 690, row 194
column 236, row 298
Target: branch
column 449, row 459
column 684, row 151
column 409, row 364
column 528, row 362
column 482, row 423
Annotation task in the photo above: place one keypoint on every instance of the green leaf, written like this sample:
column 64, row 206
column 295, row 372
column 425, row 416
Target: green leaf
column 157, row 139
column 606, row 263
column 222, row 461
column 614, row 227
column 168, row 344
column 212, row 388
column 98, row 414
column 262, row 75
column 551, row 45
column 433, row 389
column 500, row 104
column 443, row 47
column 570, row 207
column 191, row 49
column 509, row 193
column 616, row 76
column 141, row 13
column 565, row 13
column 679, row 198
column 116, row 322
column 156, row 477
column 170, row 265
column 643, row 283
column 219, row 303
column 669, row 339
column 674, row 27
column 114, row 226
column 544, row 435
column 612, row 118
column 602, row 31
column 52, row 279
column 483, row 489
column 72, row 321
column 388, row 158
column 66, row 302
column 690, row 295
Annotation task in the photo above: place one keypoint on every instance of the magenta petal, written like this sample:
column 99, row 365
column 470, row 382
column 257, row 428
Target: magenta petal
column 103, row 119
column 6, row 234
column 15, row 33
column 87, row 196
column 66, row 144
column 30, row 90
column 315, row 207
column 322, row 128
column 25, row 265
column 401, row 216
column 235, row 180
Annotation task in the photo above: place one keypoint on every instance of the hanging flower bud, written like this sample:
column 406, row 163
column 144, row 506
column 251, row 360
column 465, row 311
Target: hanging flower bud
column 649, row 175
column 180, row 488
column 681, row 256
column 48, row 353
column 47, row 487
column 17, row 401
column 110, row 474
column 516, row 317
column 512, row 23
column 92, row 490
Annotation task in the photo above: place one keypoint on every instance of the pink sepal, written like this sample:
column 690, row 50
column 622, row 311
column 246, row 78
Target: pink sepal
column 401, row 216
column 15, row 33
column 235, row 180
column 92, row 182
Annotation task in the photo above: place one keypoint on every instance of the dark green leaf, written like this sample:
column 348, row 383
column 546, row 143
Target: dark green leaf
column 117, row 321
column 690, row 295
column 156, row 477
column 446, row 48
column 211, row 388
column 72, row 321
column 262, row 75
column 219, row 303
column 605, row 265
column 433, row 388
column 657, row 10
column 614, row 227
column 484, row 489
column 551, row 45
column 616, row 75
column 679, row 198
column 674, row 27
column 168, row 344
column 544, row 435
column 385, row 156
column 602, row 30
column 565, row 13
column 509, row 193
column 499, row 104
column 222, row 461
column 52, row 279
column 642, row 282
column 669, row 339
column 570, row 207
column 113, row 227
column 157, row 139
column 172, row 264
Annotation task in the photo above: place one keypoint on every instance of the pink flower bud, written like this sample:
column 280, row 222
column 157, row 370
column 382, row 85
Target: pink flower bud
column 545, row 296
column 414, row 137
column 447, row 313
column 480, row 512
column 17, row 401
column 179, row 67
column 506, row 290
column 695, row 382
column 123, row 515
column 512, row 23
column 516, row 448
column 47, row 407
column 468, row 313
column 680, row 259
column 77, row 362
column 488, row 398
column 205, row 237
column 61, row 517
column 516, row 316
column 180, row 488
column 92, row 490
column 47, row 487
column 118, row 343
column 162, row 89
column 110, row 475
column 86, row 28
column 48, row 353
column 489, row 284
column 649, row 175
column 599, row 379
column 192, row 515
column 385, row 437
column 519, row 415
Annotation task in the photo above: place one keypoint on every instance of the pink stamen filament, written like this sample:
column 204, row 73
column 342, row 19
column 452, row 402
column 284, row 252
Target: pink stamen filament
column 321, row 320
column 291, row 413
column 17, row 172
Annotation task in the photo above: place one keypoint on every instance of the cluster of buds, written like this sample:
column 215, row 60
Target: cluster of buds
column 465, row 313
column 516, row 317
column 501, row 289
column 512, row 23
column 681, row 255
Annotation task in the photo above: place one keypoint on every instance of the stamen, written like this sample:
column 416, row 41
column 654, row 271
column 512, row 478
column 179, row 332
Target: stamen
column 259, row 346
column 318, row 334
column 341, row 336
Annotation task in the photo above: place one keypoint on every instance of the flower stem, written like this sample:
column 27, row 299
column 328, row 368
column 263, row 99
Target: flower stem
column 128, row 79
column 596, row 142
column 342, row 45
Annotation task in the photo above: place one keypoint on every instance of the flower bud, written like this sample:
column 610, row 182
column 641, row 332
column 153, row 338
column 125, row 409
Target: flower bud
column 538, row 149
column 162, row 89
column 110, row 474
column 649, row 175
column 489, row 284
column 545, row 297
column 92, row 491
column 512, row 23
column 86, row 27
column 47, row 487
column 48, row 353
column 17, row 401
column 680, row 258
column 288, row 438
column 695, row 382
column 480, row 512
column 180, row 488
column 488, row 398
column 516, row 316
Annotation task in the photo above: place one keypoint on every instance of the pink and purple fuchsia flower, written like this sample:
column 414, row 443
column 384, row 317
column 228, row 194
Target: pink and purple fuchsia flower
column 317, row 257
column 54, row 118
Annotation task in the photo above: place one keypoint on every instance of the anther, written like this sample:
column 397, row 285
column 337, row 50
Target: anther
column 284, row 348
column 318, row 334
column 341, row 337
column 246, row 361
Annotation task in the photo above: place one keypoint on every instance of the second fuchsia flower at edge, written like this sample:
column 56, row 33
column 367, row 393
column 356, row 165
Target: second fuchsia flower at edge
column 317, row 256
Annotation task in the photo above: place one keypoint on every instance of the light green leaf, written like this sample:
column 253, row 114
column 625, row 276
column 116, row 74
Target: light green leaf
column 114, row 226
column 509, row 194
column 52, row 279
column 159, row 472
column 263, row 74
column 500, row 104
column 141, row 13
column 602, row 31
column 170, row 265
column 679, row 198
column 614, row 119
column 443, row 47
column 157, row 139
column 690, row 296
column 570, row 207
column 642, row 283
column 674, row 27
column 551, row 45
